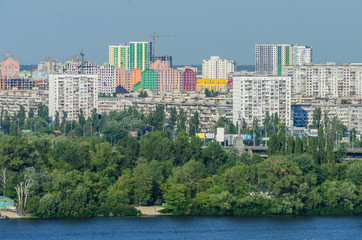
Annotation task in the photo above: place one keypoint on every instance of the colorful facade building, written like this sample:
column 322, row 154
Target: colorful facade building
column 139, row 55
column 211, row 84
column 119, row 56
column 122, row 80
column 189, row 80
column 170, row 80
column 149, row 80
column 135, row 77
column 158, row 66
column 10, row 68
column 271, row 58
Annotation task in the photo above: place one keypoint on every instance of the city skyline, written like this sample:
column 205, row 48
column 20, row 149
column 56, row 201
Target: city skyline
column 45, row 28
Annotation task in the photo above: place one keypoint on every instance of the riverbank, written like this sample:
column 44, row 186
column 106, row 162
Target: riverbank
column 150, row 210
column 8, row 214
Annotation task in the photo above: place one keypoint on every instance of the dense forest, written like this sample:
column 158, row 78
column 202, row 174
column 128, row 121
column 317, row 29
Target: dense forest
column 93, row 167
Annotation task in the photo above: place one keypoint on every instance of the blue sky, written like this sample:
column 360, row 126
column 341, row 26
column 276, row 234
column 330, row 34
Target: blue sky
column 202, row 28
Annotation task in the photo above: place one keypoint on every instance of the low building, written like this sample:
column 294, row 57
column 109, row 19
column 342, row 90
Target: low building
column 211, row 84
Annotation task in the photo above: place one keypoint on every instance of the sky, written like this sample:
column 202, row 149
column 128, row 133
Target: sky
column 201, row 28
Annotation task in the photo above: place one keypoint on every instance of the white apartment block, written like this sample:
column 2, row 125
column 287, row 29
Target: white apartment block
column 253, row 96
column 325, row 81
column 72, row 92
column 269, row 58
column 217, row 68
column 106, row 74
column 107, row 79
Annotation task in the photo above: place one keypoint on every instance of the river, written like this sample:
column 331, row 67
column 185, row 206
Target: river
column 169, row 227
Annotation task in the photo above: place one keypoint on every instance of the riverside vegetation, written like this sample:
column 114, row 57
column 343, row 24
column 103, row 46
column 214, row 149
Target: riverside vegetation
column 77, row 173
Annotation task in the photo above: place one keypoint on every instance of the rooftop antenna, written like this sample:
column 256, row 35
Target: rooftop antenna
column 81, row 53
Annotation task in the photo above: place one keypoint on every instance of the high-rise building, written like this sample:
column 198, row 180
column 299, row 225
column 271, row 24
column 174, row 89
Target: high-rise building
column 189, row 80
column 158, row 66
column 72, row 92
column 167, row 60
column 119, row 56
column 50, row 65
column 170, row 80
column 139, row 55
column 122, row 79
column 135, row 78
column 149, row 80
column 216, row 68
column 325, row 80
column 9, row 68
column 271, row 58
column 106, row 82
column 253, row 96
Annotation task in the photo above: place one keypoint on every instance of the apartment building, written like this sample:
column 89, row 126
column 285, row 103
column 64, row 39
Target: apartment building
column 325, row 80
column 216, row 68
column 253, row 96
column 72, row 92
column 270, row 58
column 29, row 99
column 208, row 109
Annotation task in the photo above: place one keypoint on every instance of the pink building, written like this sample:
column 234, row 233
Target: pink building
column 9, row 68
column 189, row 80
column 122, row 79
column 170, row 79
column 158, row 66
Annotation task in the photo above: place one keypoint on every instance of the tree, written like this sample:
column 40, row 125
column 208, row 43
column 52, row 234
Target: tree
column 3, row 176
column 156, row 119
column 21, row 116
column 143, row 184
column 214, row 156
column 194, row 124
column 181, row 120
column 57, row 120
column 317, row 115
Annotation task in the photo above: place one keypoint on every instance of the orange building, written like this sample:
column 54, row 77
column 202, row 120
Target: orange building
column 135, row 77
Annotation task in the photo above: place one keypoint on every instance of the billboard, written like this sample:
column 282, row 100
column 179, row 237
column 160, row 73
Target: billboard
column 311, row 132
column 344, row 140
column 209, row 135
column 133, row 133
column 200, row 135
column 220, row 134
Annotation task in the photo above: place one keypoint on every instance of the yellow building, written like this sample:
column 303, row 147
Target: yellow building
column 119, row 56
column 211, row 84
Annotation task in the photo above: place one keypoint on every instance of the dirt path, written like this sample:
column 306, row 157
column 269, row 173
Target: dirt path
column 150, row 210
column 7, row 214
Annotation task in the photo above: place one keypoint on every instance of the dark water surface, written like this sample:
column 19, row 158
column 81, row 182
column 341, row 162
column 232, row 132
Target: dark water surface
column 168, row 227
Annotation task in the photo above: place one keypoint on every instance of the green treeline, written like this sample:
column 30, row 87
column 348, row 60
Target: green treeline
column 81, row 174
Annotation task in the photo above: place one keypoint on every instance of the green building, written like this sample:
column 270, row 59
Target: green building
column 139, row 55
column 5, row 202
column 149, row 80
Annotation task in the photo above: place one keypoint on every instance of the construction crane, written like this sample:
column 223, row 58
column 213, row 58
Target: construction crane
column 154, row 36
column 81, row 53
column 7, row 55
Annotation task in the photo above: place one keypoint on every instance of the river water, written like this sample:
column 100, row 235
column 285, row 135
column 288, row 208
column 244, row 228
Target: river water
column 169, row 227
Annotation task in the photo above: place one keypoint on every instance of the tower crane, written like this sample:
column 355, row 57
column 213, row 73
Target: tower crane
column 7, row 55
column 154, row 36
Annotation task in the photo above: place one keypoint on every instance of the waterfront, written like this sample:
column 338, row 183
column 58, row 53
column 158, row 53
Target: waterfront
column 168, row 227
